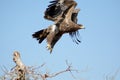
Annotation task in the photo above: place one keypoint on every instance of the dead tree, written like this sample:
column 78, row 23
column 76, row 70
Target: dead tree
column 20, row 68
column 23, row 72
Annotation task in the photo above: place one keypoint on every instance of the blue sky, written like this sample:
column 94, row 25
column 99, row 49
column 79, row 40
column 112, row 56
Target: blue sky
column 98, row 53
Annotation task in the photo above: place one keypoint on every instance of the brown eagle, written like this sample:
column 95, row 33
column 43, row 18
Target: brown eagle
column 64, row 14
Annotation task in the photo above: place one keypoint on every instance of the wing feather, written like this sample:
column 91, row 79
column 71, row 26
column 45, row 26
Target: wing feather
column 57, row 8
column 75, row 35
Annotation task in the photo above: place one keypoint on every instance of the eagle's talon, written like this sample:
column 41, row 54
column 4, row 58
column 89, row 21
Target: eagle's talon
column 49, row 47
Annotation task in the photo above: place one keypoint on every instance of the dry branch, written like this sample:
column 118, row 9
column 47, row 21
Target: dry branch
column 23, row 72
column 20, row 67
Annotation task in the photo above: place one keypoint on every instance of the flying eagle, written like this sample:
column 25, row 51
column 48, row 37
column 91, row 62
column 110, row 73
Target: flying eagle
column 65, row 18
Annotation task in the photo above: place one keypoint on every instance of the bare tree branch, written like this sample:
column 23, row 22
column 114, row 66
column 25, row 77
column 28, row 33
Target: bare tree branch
column 112, row 77
column 23, row 72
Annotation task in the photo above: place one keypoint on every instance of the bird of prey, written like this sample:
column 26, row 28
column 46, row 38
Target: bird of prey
column 65, row 18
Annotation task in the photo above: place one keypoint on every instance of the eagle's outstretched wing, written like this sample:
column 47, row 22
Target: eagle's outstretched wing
column 57, row 8
column 54, row 10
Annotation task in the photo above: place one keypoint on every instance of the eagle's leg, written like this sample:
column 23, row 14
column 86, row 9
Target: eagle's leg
column 49, row 47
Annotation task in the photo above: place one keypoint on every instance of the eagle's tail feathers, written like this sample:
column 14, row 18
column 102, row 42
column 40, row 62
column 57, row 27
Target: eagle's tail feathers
column 40, row 35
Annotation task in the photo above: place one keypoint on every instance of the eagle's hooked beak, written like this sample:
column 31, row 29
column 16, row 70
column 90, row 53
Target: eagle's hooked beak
column 81, row 26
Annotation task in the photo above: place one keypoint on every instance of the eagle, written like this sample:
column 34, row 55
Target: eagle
column 64, row 15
